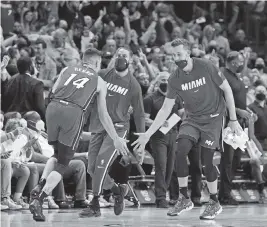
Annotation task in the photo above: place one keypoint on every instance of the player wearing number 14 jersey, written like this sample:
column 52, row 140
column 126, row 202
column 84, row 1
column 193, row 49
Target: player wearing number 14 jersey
column 71, row 99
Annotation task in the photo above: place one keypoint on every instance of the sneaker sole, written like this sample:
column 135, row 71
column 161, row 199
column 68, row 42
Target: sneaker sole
column 211, row 217
column 126, row 192
column 186, row 209
column 92, row 216
column 32, row 210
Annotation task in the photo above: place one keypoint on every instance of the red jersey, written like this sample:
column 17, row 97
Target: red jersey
column 77, row 85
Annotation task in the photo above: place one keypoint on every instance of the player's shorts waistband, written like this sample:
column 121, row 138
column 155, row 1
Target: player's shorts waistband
column 66, row 103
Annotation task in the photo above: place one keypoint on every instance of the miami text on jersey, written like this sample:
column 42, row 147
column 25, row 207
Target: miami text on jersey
column 117, row 89
column 194, row 84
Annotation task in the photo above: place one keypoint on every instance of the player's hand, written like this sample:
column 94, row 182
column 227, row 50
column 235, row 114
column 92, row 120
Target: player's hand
column 6, row 155
column 140, row 155
column 235, row 9
column 165, row 124
column 125, row 12
column 244, row 114
column 142, row 56
column 235, row 127
column 154, row 16
column 121, row 146
column 4, row 62
column 103, row 12
column 148, row 122
column 141, row 142
column 18, row 131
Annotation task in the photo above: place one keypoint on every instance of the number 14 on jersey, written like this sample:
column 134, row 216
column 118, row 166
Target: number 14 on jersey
column 78, row 83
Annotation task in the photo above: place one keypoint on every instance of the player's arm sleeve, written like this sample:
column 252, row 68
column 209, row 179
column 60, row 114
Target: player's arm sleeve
column 172, row 92
column 216, row 75
column 39, row 100
column 138, row 108
column 102, row 109
column 58, row 79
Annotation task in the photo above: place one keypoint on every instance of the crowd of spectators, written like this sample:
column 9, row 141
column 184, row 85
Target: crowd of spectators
column 55, row 34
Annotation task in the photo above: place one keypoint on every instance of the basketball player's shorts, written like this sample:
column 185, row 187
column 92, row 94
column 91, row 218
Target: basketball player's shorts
column 64, row 126
column 205, row 131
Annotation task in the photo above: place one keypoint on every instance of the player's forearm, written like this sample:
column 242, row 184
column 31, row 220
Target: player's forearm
column 159, row 120
column 230, row 103
column 139, row 121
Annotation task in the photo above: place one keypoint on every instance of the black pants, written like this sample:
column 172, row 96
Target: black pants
column 163, row 151
column 230, row 160
column 195, row 171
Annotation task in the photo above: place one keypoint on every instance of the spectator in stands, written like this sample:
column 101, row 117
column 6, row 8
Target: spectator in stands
column 111, row 46
column 45, row 67
column 76, row 170
column 234, row 66
column 259, row 107
column 208, row 35
column 260, row 65
column 6, row 170
column 120, row 38
column 143, row 79
column 28, row 22
column 14, row 55
column 156, row 61
column 19, row 170
column 69, row 11
column 60, row 50
column 239, row 42
column 24, row 93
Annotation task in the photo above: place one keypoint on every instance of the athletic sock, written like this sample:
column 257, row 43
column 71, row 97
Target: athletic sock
column 42, row 196
column 183, row 191
column 214, row 197
column 115, row 189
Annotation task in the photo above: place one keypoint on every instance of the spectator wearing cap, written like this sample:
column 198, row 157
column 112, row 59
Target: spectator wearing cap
column 45, row 67
column 24, row 93
column 106, row 58
column 260, row 65
column 234, row 66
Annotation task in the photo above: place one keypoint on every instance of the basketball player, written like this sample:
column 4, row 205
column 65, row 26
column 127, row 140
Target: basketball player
column 123, row 91
column 201, row 86
column 71, row 100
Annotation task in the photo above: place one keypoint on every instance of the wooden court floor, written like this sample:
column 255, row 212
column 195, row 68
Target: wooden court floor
column 243, row 216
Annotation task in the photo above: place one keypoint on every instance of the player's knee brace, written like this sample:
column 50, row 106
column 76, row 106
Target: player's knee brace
column 62, row 165
column 60, row 168
column 210, row 172
column 183, row 148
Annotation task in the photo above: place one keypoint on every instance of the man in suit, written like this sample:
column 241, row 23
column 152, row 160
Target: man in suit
column 24, row 93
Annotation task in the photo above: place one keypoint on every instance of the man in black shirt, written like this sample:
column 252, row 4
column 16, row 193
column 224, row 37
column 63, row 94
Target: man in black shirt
column 163, row 146
column 234, row 66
